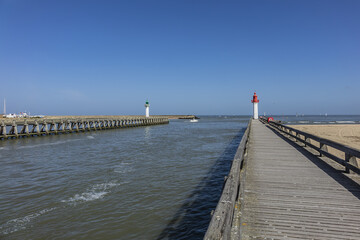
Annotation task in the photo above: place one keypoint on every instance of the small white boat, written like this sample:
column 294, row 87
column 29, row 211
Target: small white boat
column 194, row 120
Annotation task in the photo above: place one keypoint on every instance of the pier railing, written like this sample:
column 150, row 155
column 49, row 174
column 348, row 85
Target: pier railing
column 222, row 218
column 350, row 162
column 39, row 127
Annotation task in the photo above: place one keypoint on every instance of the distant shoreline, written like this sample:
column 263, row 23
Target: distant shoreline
column 105, row 116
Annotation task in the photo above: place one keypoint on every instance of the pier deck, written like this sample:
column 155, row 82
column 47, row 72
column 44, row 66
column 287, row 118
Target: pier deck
column 289, row 194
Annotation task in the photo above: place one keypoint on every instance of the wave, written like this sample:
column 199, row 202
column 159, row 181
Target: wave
column 17, row 224
column 345, row 121
column 303, row 121
column 95, row 192
column 90, row 137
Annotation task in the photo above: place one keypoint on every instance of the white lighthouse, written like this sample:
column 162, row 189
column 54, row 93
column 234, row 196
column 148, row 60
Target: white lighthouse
column 255, row 102
column 147, row 106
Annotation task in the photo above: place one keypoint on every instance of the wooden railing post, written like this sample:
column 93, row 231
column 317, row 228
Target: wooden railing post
column 3, row 130
column 307, row 140
column 351, row 160
column 76, row 123
column 14, row 130
column 37, row 128
column 351, row 154
column 324, row 148
column 54, row 127
column 99, row 124
column 45, row 127
column 62, row 126
column 26, row 126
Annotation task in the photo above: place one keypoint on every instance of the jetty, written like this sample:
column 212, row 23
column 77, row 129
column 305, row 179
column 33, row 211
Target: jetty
column 284, row 184
column 24, row 127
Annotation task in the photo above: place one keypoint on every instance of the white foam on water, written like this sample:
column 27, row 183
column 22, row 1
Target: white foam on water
column 317, row 122
column 17, row 224
column 303, row 122
column 124, row 168
column 331, row 122
column 86, row 196
column 95, row 192
column 48, row 144
column 90, row 137
column 345, row 122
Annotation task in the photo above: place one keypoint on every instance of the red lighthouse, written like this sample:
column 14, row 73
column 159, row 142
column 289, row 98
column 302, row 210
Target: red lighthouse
column 255, row 102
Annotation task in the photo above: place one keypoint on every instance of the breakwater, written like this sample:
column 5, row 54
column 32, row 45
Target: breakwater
column 16, row 128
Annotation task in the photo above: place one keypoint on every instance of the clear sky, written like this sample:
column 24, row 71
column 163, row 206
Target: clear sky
column 185, row 56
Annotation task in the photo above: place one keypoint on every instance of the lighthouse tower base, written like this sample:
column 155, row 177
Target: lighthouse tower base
column 255, row 110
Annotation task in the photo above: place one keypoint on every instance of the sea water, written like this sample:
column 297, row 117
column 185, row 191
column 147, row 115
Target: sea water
column 154, row 182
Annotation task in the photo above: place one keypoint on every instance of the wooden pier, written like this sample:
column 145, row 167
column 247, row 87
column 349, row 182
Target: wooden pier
column 16, row 128
column 289, row 190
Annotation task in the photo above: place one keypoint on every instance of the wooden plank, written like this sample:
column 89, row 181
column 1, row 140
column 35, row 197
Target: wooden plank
column 288, row 195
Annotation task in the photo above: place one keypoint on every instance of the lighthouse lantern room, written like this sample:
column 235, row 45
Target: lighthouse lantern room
column 255, row 102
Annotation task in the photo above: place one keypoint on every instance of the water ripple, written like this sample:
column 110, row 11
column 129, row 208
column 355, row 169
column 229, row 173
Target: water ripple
column 17, row 224
column 95, row 192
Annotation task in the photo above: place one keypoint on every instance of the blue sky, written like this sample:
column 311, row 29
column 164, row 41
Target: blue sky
column 186, row 57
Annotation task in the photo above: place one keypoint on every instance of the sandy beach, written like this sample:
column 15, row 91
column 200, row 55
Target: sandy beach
column 347, row 134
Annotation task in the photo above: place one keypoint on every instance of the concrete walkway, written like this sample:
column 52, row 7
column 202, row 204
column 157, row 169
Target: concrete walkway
column 290, row 194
